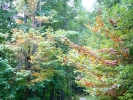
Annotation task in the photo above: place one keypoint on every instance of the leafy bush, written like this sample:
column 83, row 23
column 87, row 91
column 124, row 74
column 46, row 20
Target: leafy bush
column 2, row 38
column 127, row 96
column 8, row 54
column 7, row 72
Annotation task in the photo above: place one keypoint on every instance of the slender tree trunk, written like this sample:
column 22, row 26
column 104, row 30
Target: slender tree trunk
column 25, row 22
column 67, row 83
column 33, row 21
column 52, row 92
column 62, row 94
column 28, row 67
column 74, row 88
column 43, row 96
column 74, row 92
column 40, row 9
column 58, row 94
column 25, row 18
column 68, row 79
column 32, row 93
column 26, row 94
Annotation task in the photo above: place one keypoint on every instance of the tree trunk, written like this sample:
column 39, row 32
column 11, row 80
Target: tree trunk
column 26, row 94
column 25, row 22
column 58, row 94
column 52, row 92
column 32, row 94
column 40, row 9
column 43, row 96
column 28, row 67
column 62, row 94
column 68, row 84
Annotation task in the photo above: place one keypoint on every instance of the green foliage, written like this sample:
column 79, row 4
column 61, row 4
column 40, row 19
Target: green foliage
column 37, row 98
column 34, row 61
column 125, row 78
column 7, row 80
column 42, row 59
column 7, row 72
column 126, row 96
column 66, row 15
column 2, row 38
column 109, row 39
column 10, row 78
column 7, row 53
column 7, row 13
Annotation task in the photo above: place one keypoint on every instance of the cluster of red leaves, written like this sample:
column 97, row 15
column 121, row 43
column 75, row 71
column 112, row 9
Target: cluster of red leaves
column 114, row 91
column 118, row 51
column 83, row 50
column 90, row 84
column 108, row 50
column 117, row 41
column 112, row 36
column 100, row 27
column 123, row 52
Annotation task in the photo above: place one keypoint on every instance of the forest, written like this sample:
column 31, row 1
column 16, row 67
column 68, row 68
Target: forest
column 58, row 50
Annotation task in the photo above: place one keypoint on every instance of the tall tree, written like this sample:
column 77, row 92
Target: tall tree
column 110, row 30
column 7, row 16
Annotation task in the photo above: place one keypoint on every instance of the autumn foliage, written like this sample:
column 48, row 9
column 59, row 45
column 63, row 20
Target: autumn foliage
column 99, row 60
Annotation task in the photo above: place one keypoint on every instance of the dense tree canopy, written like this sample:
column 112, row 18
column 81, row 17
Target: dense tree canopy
column 57, row 50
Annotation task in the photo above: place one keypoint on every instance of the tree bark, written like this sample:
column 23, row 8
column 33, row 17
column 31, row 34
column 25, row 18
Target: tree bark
column 62, row 94
column 40, row 9
column 52, row 92
column 26, row 94
column 58, row 94
column 28, row 67
column 43, row 96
